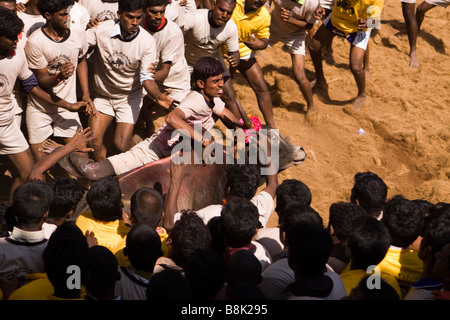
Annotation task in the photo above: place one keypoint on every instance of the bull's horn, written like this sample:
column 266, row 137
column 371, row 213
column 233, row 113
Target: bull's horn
column 247, row 121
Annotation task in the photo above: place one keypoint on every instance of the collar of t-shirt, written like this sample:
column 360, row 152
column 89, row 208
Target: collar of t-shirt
column 20, row 235
column 117, row 33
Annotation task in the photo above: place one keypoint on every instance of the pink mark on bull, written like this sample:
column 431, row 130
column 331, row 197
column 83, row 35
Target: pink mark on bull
column 250, row 133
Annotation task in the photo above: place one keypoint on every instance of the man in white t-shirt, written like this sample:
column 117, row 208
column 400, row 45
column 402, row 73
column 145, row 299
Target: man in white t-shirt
column 100, row 9
column 123, row 52
column 56, row 54
column 14, row 66
column 172, row 70
column 202, row 106
column 291, row 21
column 205, row 33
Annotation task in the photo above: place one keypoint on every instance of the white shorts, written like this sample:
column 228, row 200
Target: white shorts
column 125, row 109
column 295, row 43
column 359, row 39
column 327, row 4
column 41, row 125
column 12, row 140
column 142, row 153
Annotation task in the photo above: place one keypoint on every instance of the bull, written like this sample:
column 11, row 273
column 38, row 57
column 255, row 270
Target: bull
column 204, row 184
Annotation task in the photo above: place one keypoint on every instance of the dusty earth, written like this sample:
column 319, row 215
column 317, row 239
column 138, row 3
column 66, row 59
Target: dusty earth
column 405, row 117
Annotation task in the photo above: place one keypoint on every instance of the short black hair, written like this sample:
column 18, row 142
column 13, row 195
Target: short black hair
column 291, row 190
column 154, row 3
column 10, row 24
column 368, row 242
column 52, row 6
column 239, row 221
column 130, row 5
column 404, row 221
column 206, row 67
column 296, row 213
column 309, row 248
column 189, row 235
column 243, row 180
column 143, row 247
column 342, row 215
column 105, row 199
column 67, row 193
column 66, row 247
column 370, row 191
column 168, row 285
column 31, row 201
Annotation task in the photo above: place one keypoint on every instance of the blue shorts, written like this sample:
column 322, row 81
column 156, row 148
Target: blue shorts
column 359, row 39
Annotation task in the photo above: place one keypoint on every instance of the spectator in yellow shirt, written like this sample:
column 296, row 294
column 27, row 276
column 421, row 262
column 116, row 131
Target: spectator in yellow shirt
column 105, row 219
column 253, row 21
column 404, row 220
column 352, row 20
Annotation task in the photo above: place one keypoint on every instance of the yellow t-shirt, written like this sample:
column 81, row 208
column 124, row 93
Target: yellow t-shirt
column 40, row 288
column 346, row 13
column 124, row 261
column 402, row 264
column 256, row 23
column 108, row 234
column 352, row 278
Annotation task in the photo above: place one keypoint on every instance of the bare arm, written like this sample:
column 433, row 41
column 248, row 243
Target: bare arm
column 53, row 99
column 177, row 173
column 77, row 143
column 257, row 44
column 82, row 72
column 48, row 81
column 162, row 98
column 286, row 16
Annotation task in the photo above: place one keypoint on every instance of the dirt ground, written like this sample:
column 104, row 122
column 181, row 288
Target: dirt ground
column 405, row 117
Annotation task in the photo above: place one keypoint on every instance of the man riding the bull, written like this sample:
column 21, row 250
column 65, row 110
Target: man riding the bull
column 201, row 106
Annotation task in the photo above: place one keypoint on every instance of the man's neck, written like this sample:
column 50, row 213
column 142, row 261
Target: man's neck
column 57, row 34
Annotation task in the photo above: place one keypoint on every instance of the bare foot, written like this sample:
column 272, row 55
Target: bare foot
column 413, row 62
column 49, row 145
column 359, row 101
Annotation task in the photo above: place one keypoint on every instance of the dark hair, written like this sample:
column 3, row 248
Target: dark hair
column 146, row 206
column 206, row 67
column 404, row 221
column 243, row 180
column 243, row 266
column 436, row 236
column 368, row 242
column 10, row 24
column 296, row 213
column 103, row 271
column 105, row 199
column 189, row 235
column 239, row 221
column 385, row 292
column 143, row 247
column 309, row 248
column 291, row 190
column 31, row 201
column 168, row 285
column 154, row 3
column 130, row 5
column 370, row 191
column 67, row 246
column 67, row 193
column 342, row 215
column 52, row 6
column 205, row 271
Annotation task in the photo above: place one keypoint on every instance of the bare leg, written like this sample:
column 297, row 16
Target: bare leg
column 298, row 64
column 253, row 73
column 87, row 168
column 412, row 29
column 320, row 40
column 23, row 162
column 356, row 66
column 229, row 97
column 99, row 124
column 366, row 63
column 123, row 136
